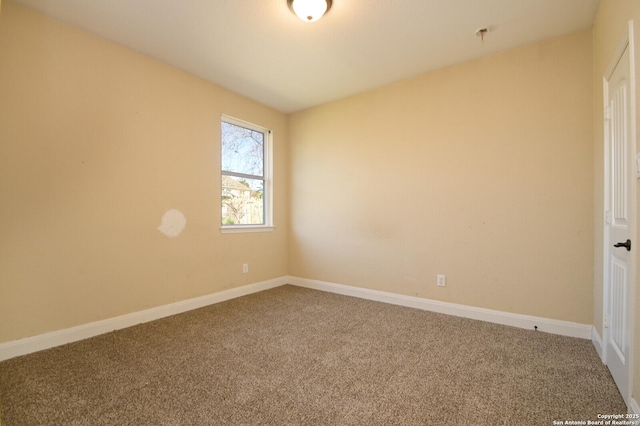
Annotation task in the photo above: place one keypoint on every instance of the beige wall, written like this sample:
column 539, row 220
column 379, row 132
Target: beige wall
column 0, row 284
column 482, row 171
column 96, row 143
column 610, row 31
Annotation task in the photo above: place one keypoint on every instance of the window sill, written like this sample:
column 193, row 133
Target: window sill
column 239, row 229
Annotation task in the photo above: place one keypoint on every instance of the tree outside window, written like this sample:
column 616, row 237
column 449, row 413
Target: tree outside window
column 244, row 177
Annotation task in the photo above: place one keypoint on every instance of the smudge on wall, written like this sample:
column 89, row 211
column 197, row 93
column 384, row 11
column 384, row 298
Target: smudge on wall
column 173, row 223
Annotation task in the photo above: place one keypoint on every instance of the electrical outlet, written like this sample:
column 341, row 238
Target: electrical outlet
column 440, row 281
column 245, row 268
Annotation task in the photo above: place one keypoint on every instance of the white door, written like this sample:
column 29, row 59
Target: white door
column 620, row 216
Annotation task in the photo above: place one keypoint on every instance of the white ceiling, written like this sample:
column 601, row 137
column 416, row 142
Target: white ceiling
column 259, row 49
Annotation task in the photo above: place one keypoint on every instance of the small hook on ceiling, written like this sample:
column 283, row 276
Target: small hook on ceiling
column 480, row 32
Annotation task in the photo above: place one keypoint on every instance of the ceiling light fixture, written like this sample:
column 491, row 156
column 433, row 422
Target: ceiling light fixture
column 309, row 10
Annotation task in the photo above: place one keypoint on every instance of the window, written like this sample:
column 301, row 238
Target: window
column 246, row 181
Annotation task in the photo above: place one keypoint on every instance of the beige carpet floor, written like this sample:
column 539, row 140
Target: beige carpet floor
column 293, row 356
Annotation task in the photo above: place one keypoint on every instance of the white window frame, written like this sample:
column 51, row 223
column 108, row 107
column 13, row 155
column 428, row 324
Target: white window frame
column 267, row 226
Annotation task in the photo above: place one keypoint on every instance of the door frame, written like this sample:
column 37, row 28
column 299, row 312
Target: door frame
column 626, row 43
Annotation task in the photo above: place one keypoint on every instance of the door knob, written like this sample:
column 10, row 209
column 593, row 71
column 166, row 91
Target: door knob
column 626, row 244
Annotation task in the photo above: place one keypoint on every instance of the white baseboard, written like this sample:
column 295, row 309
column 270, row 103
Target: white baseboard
column 564, row 328
column 597, row 343
column 56, row 338
column 633, row 406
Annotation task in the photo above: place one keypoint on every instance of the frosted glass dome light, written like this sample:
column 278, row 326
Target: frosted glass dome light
column 309, row 10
